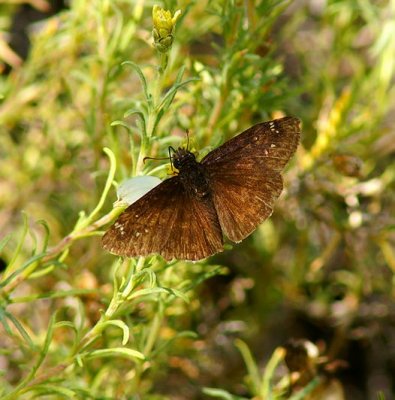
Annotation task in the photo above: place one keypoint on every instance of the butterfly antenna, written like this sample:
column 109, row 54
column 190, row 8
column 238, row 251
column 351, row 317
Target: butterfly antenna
column 187, row 132
column 154, row 158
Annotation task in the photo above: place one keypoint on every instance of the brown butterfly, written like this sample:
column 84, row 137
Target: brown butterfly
column 230, row 192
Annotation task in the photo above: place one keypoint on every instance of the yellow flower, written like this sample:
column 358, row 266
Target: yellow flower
column 163, row 28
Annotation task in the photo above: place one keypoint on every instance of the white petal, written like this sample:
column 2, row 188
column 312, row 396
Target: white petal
column 130, row 190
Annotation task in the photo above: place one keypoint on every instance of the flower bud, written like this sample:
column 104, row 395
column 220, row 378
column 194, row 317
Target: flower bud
column 163, row 28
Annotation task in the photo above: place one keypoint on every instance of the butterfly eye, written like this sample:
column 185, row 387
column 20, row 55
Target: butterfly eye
column 176, row 163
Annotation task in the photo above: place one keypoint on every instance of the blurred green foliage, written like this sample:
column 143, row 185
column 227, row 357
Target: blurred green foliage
column 79, row 323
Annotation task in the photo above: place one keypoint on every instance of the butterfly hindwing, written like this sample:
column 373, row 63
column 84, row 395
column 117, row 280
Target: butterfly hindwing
column 244, row 174
column 243, row 196
column 168, row 221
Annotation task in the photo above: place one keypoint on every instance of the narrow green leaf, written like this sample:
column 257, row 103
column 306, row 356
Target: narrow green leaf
column 4, row 241
column 144, row 274
column 107, row 187
column 78, row 360
column 21, row 269
column 117, row 32
column 33, row 241
column 53, row 295
column 142, row 78
column 145, row 292
column 133, row 111
column 152, row 281
column 272, row 364
column 252, row 368
column 141, row 115
column 300, row 395
column 46, row 236
column 221, row 394
column 120, row 324
column 82, row 319
column 179, row 294
column 43, row 271
column 121, row 123
column 42, row 355
column 116, row 352
column 158, row 117
column 65, row 324
column 168, row 343
column 21, row 330
column 380, row 396
column 47, row 341
column 216, row 270
column 169, row 96
column 3, row 320
column 80, row 220
column 19, row 245
column 46, row 389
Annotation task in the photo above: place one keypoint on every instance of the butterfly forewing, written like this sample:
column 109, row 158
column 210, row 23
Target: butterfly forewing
column 244, row 174
column 168, row 221
column 270, row 144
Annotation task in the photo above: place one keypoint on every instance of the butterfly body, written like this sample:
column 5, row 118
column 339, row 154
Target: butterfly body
column 191, row 173
column 229, row 193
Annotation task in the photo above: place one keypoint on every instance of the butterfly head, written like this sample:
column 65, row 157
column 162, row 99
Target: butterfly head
column 182, row 157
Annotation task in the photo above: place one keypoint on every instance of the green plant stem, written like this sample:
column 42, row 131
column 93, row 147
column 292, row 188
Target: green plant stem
column 117, row 301
column 153, row 108
column 97, row 330
column 164, row 59
column 266, row 389
column 32, row 381
column 149, row 345
column 60, row 248
column 154, row 330
column 143, row 152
